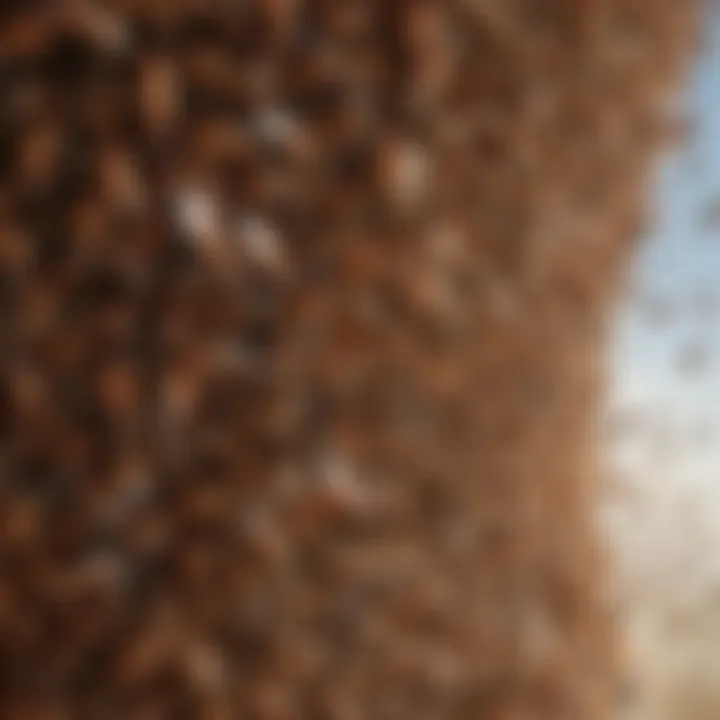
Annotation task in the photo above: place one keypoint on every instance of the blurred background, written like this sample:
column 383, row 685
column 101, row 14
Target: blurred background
column 663, row 427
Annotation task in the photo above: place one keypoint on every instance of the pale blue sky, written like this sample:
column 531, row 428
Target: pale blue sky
column 679, row 261
column 681, row 256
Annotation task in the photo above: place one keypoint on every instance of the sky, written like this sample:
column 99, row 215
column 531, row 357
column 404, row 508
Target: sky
column 667, row 452
column 678, row 269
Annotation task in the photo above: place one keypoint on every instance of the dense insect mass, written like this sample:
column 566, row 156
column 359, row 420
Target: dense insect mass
column 300, row 304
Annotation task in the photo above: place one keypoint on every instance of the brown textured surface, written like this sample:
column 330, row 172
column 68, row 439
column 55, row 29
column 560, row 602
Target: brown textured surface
column 300, row 311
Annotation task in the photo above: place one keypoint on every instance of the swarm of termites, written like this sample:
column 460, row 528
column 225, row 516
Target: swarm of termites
column 300, row 303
